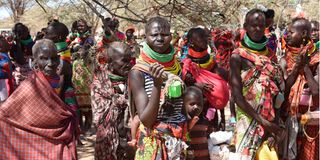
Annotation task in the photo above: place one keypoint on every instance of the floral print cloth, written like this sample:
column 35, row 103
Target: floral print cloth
column 108, row 107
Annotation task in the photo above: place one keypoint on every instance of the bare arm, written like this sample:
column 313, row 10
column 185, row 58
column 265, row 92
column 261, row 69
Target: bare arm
column 283, row 65
column 312, row 83
column 147, row 109
column 292, row 77
column 221, row 72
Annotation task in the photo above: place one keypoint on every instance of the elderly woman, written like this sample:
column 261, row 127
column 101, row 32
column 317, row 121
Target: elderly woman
column 109, row 102
column 34, row 121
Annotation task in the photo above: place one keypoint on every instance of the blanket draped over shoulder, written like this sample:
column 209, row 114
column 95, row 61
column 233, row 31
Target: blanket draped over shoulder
column 36, row 124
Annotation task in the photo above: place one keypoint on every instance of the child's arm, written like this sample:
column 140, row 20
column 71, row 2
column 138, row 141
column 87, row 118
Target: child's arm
column 134, row 128
column 222, row 125
column 192, row 122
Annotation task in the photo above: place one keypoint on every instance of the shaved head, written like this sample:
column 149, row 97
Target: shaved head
column 43, row 45
column 253, row 12
column 302, row 24
column 161, row 21
column 116, row 48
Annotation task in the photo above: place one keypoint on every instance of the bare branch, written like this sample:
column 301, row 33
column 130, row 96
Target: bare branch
column 126, row 5
column 94, row 9
column 37, row 1
column 115, row 15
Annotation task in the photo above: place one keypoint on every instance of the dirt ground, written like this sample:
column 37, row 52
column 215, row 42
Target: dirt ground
column 86, row 151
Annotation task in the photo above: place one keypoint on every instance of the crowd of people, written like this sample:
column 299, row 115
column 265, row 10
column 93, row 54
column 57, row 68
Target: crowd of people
column 161, row 97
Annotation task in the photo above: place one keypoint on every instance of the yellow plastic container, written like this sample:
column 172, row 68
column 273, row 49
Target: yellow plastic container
column 265, row 153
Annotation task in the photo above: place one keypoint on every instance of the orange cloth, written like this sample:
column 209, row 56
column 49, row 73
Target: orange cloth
column 297, row 88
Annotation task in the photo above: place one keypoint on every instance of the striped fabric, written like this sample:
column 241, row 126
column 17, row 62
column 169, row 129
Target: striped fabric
column 166, row 114
column 70, row 98
column 65, row 55
column 54, row 83
column 199, row 140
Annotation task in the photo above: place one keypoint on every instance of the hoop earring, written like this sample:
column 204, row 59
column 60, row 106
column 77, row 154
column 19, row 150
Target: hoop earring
column 35, row 66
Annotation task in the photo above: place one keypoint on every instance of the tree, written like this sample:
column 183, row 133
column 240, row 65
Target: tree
column 16, row 7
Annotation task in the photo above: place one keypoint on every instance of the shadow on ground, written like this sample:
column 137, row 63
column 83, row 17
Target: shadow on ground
column 86, row 151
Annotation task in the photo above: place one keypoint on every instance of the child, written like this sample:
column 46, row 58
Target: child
column 198, row 124
column 193, row 105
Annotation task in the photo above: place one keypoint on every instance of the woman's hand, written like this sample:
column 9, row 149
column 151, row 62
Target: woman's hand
column 205, row 86
column 302, row 58
column 277, row 132
column 156, row 71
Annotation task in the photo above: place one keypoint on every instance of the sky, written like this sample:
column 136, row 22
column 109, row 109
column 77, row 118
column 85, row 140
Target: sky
column 4, row 13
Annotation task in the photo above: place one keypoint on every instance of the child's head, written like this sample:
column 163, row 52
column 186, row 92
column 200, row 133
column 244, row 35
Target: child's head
column 57, row 32
column 4, row 45
column 46, row 57
column 198, row 39
column 118, row 56
column 193, row 101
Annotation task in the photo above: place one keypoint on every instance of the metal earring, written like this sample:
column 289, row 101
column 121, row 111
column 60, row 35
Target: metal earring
column 35, row 66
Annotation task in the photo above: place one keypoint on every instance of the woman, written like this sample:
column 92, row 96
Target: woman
column 109, row 102
column 82, row 68
column 34, row 121
column 21, row 53
column 162, row 130
column 301, row 67
column 256, row 82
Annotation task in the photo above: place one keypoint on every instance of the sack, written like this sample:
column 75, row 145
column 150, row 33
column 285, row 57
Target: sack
column 266, row 153
column 219, row 96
